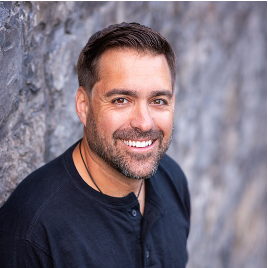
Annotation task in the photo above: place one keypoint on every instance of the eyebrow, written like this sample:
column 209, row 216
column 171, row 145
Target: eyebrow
column 162, row 93
column 132, row 93
column 121, row 92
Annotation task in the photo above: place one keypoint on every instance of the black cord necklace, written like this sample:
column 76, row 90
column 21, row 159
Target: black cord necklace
column 92, row 178
column 87, row 168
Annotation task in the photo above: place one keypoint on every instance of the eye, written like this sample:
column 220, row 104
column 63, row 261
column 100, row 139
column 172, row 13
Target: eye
column 159, row 102
column 120, row 101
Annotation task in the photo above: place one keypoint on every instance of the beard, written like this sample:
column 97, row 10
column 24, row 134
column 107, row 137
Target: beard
column 132, row 165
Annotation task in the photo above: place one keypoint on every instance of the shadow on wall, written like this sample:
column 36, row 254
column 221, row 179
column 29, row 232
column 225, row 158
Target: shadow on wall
column 219, row 123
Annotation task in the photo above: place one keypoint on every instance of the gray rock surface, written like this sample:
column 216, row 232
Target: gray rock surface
column 220, row 119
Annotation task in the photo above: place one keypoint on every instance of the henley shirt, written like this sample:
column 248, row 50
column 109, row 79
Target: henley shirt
column 55, row 219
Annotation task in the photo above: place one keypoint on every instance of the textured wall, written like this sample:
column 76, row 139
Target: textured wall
column 220, row 119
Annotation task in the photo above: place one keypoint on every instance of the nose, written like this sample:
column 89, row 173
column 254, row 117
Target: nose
column 141, row 117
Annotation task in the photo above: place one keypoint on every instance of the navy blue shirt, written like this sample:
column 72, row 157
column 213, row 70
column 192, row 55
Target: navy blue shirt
column 54, row 219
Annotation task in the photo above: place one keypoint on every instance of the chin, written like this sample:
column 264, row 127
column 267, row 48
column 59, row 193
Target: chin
column 144, row 172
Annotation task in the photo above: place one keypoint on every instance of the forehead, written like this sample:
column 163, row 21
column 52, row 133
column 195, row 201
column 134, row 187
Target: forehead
column 133, row 68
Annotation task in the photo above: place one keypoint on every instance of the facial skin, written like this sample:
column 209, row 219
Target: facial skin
column 132, row 102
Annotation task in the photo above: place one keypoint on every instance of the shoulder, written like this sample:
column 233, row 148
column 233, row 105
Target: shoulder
column 169, row 168
column 31, row 196
column 171, row 183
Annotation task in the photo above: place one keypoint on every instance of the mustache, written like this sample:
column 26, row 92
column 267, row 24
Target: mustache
column 132, row 134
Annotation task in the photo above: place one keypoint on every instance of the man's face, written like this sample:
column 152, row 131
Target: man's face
column 130, row 119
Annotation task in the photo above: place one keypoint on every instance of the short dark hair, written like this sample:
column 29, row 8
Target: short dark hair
column 124, row 35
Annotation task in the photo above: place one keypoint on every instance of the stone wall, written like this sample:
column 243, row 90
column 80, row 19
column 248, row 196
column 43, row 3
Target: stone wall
column 220, row 119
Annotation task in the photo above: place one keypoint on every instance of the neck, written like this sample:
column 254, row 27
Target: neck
column 107, row 180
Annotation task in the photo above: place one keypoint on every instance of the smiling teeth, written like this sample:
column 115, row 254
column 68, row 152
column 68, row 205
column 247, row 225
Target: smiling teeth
column 138, row 144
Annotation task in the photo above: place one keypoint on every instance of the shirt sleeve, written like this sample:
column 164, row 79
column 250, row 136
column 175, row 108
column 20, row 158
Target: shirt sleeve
column 18, row 253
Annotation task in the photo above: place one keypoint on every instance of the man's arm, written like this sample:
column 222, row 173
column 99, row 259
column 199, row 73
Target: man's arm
column 18, row 253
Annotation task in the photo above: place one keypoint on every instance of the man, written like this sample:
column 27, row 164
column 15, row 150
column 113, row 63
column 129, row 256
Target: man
column 114, row 199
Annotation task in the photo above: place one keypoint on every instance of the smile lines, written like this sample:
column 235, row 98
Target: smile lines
column 138, row 144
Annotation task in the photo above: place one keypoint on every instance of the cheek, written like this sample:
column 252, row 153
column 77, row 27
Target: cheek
column 109, row 122
column 164, row 122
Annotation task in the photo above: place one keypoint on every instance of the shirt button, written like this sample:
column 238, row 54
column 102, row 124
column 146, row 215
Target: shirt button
column 134, row 213
column 147, row 254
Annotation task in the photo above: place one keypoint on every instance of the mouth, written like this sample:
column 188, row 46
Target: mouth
column 138, row 144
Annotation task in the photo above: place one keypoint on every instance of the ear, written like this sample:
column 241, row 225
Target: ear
column 173, row 101
column 81, row 103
